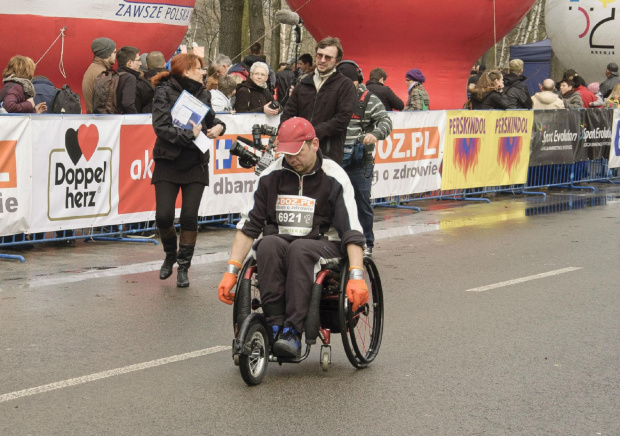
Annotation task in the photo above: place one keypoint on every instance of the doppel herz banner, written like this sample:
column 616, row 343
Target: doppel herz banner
column 555, row 136
column 594, row 135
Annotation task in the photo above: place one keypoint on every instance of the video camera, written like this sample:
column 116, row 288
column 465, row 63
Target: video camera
column 247, row 159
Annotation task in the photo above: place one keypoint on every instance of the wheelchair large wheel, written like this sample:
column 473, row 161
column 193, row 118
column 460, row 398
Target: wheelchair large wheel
column 254, row 365
column 362, row 331
column 254, row 292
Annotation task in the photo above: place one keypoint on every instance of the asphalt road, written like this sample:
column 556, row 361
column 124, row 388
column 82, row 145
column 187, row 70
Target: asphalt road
column 88, row 348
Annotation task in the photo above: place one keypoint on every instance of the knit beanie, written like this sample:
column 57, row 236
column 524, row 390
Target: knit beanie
column 594, row 87
column 415, row 75
column 103, row 47
column 349, row 71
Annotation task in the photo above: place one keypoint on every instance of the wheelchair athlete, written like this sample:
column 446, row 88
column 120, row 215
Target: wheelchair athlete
column 298, row 199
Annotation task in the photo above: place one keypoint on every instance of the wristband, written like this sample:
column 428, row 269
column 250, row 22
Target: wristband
column 356, row 274
column 233, row 269
column 234, row 262
column 351, row 268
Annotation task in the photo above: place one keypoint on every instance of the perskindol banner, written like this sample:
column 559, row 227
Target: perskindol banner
column 486, row 148
column 555, row 136
column 594, row 135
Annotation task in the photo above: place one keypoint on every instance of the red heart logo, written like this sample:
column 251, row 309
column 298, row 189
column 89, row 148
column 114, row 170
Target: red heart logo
column 88, row 138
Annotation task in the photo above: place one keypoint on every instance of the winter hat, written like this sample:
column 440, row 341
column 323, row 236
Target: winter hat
column 349, row 71
column 293, row 133
column 416, row 75
column 593, row 87
column 143, row 67
column 103, row 47
column 612, row 67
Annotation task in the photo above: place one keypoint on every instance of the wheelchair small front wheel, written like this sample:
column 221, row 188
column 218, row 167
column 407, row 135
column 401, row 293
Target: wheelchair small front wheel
column 254, row 364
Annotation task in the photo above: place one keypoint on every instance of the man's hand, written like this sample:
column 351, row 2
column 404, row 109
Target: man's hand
column 369, row 139
column 357, row 293
column 228, row 281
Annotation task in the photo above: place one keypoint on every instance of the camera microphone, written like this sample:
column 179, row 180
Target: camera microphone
column 288, row 17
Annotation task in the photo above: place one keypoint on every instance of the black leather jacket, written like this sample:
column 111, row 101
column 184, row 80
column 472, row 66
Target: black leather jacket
column 171, row 140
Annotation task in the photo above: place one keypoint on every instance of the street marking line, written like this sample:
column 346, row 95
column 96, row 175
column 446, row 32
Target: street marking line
column 111, row 373
column 524, row 279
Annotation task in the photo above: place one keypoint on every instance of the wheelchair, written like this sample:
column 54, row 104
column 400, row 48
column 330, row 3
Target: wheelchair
column 329, row 312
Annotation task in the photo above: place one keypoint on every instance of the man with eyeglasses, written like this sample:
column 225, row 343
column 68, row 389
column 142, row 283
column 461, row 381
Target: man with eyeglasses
column 326, row 98
column 132, row 97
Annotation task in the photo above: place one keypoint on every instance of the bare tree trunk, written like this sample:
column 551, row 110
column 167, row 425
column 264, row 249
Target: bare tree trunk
column 257, row 22
column 231, row 19
column 275, row 37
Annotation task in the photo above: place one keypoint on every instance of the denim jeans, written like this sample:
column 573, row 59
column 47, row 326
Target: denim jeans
column 361, row 179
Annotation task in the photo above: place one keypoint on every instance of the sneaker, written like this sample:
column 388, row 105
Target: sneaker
column 289, row 344
column 368, row 252
column 275, row 331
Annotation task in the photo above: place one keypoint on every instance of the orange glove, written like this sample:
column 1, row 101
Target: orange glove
column 228, row 281
column 357, row 293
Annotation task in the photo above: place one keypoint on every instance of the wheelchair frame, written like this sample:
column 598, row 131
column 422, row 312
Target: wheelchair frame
column 329, row 312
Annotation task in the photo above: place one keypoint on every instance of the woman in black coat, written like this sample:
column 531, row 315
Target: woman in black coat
column 488, row 92
column 253, row 95
column 179, row 163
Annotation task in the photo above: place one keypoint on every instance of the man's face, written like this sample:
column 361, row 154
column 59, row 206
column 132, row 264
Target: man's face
column 564, row 88
column 221, row 70
column 112, row 58
column 326, row 59
column 608, row 73
column 135, row 64
column 304, row 161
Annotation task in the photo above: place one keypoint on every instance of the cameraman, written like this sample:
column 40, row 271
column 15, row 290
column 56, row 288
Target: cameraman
column 253, row 95
column 294, row 245
column 370, row 122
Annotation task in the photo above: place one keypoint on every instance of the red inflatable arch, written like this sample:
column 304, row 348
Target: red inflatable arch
column 30, row 28
column 441, row 38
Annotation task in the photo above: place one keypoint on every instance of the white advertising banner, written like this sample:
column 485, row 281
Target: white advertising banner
column 614, row 150
column 409, row 160
column 230, row 185
column 75, row 171
column 15, row 174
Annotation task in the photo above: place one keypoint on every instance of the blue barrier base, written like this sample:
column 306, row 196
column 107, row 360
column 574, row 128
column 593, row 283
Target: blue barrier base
column 13, row 256
column 120, row 239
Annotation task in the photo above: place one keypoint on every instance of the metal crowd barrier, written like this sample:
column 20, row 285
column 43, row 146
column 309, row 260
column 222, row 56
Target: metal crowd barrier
column 539, row 177
column 142, row 232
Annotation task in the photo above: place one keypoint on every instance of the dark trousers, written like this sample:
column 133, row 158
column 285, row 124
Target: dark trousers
column 286, row 272
column 361, row 179
column 165, row 197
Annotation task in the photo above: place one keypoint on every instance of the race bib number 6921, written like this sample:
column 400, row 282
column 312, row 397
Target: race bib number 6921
column 295, row 214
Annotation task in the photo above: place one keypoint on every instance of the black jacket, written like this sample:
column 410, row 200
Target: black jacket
column 517, row 94
column 284, row 81
column 489, row 100
column 251, row 98
column 386, row 95
column 327, row 183
column 126, row 91
column 174, row 143
column 329, row 110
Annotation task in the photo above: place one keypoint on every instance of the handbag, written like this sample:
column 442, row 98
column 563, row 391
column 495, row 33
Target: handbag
column 353, row 154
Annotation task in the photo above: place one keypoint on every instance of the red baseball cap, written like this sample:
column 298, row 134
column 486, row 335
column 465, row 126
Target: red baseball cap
column 292, row 135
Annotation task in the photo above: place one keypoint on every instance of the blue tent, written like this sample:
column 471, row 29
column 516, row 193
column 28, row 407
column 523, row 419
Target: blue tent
column 536, row 58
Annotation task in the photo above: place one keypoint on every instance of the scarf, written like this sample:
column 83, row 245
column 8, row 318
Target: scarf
column 189, row 85
column 26, row 84
column 320, row 79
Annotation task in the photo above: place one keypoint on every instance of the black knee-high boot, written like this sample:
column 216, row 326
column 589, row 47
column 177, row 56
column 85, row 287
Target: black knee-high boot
column 169, row 241
column 184, row 257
